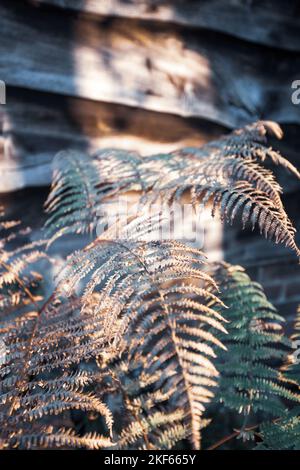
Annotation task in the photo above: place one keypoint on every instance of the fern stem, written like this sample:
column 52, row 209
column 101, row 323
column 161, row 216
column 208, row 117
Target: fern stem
column 236, row 433
column 231, row 436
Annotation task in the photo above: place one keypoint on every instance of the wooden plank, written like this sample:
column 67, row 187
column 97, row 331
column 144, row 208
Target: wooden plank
column 35, row 126
column 38, row 125
column 155, row 68
column 268, row 22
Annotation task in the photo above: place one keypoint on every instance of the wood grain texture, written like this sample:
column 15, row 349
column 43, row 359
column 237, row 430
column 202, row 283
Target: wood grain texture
column 157, row 68
column 37, row 125
column 79, row 79
column 266, row 22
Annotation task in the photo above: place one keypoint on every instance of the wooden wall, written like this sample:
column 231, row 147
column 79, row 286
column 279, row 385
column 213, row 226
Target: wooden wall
column 147, row 75
column 138, row 74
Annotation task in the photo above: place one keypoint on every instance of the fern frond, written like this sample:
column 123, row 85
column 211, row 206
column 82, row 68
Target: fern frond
column 240, row 199
column 151, row 303
column 19, row 278
column 284, row 432
column 160, row 296
column 171, row 436
column 227, row 172
column 37, row 378
column 250, row 142
column 73, row 200
column 138, row 319
column 291, row 367
column 53, row 438
column 249, row 382
column 34, row 383
column 150, row 426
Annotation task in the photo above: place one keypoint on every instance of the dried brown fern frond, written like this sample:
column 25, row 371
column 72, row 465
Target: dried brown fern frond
column 157, row 295
column 34, row 340
column 148, row 303
column 39, row 384
column 226, row 168
column 19, row 276
column 252, row 206
column 49, row 437
column 146, row 419
column 251, row 140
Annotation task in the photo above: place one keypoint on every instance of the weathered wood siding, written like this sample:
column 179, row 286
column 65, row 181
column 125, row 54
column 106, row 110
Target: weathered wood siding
column 152, row 76
column 98, row 73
